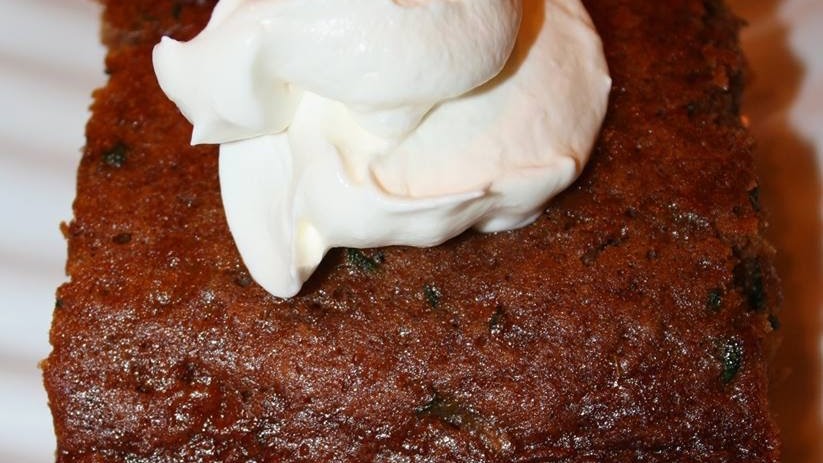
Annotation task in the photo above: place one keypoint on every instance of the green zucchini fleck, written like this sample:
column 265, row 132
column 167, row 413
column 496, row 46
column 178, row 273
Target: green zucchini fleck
column 116, row 156
column 359, row 260
column 496, row 321
column 715, row 300
column 463, row 418
column 447, row 411
column 432, row 295
column 243, row 279
column 732, row 358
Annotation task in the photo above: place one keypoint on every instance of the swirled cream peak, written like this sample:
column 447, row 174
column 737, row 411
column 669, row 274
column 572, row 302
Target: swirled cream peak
column 364, row 123
column 389, row 61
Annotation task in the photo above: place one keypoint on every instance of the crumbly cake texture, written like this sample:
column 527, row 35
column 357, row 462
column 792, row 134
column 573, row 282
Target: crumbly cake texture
column 632, row 322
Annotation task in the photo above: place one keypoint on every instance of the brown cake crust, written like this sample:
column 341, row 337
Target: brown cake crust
column 632, row 322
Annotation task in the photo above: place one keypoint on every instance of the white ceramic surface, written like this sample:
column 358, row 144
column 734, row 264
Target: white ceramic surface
column 50, row 61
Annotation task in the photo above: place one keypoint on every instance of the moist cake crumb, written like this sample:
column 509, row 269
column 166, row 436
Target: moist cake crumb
column 634, row 321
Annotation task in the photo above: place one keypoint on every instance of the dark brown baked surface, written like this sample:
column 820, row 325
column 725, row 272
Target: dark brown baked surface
column 632, row 322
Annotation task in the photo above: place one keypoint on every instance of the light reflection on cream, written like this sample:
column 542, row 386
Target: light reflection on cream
column 364, row 123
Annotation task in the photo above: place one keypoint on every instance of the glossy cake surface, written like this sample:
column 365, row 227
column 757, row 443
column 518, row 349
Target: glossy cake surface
column 632, row 322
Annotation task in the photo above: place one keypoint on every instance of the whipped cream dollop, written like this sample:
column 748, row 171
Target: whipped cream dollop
column 364, row 123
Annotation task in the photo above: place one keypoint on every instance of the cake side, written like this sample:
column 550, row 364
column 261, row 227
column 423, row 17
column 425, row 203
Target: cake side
column 632, row 322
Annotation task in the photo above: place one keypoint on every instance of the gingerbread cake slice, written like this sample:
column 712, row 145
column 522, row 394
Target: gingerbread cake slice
column 633, row 321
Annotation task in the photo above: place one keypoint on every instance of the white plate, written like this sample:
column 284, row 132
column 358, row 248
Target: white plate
column 50, row 61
